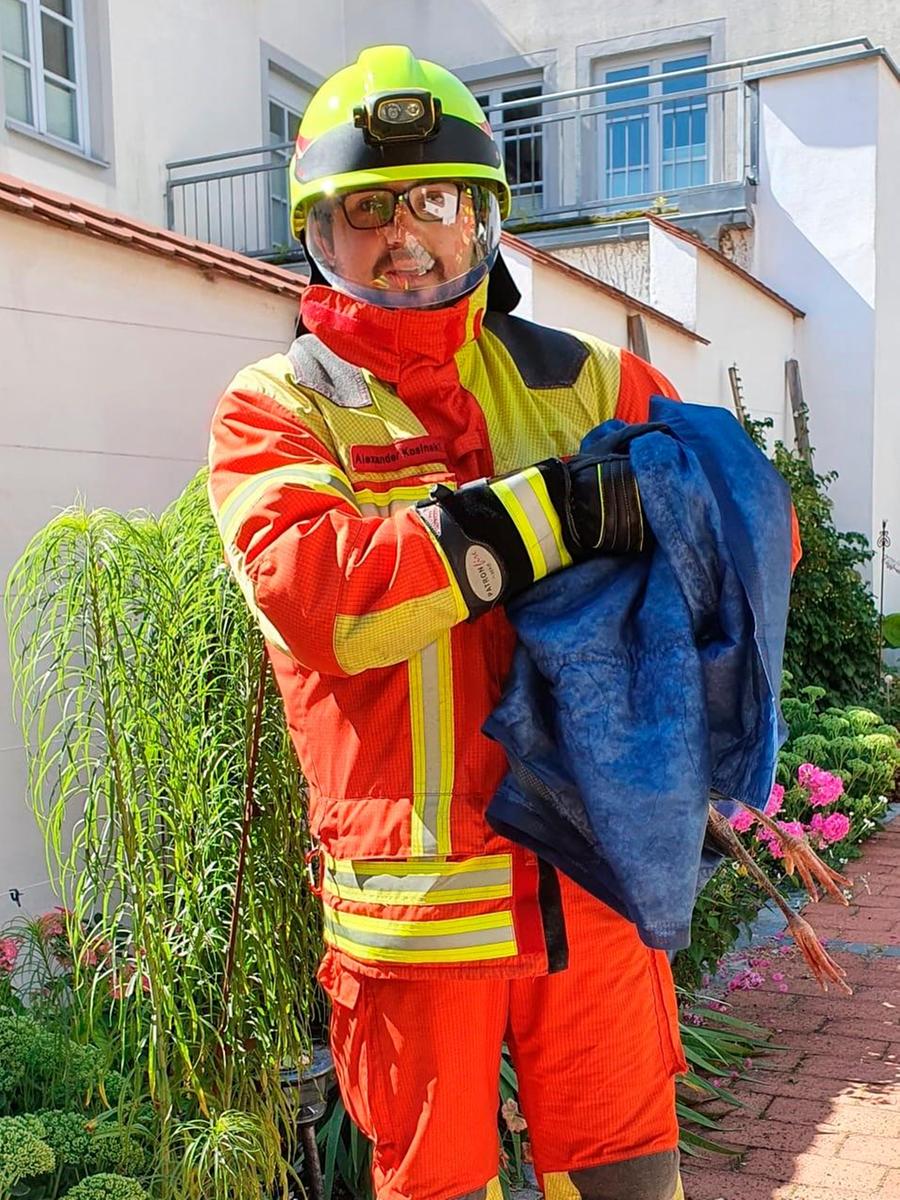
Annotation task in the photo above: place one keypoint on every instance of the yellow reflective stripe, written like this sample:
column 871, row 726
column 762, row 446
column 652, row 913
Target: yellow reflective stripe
column 418, row 835
column 431, row 931
column 558, row 1185
column 539, row 486
column 245, row 583
column 431, row 736
column 393, row 496
column 488, row 877
column 494, row 1190
column 465, row 939
column 240, row 502
column 235, row 559
column 527, row 501
column 447, row 743
column 527, row 532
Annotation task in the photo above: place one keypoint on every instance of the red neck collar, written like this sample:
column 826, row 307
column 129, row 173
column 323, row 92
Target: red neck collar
column 387, row 341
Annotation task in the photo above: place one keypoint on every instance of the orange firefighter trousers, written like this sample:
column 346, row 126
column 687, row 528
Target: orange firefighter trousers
column 596, row 1047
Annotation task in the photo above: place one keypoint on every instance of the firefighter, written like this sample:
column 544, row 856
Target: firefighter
column 381, row 490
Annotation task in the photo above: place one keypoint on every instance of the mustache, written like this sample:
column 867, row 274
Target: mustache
column 388, row 261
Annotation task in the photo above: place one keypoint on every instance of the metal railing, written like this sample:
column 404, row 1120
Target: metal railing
column 569, row 155
column 241, row 203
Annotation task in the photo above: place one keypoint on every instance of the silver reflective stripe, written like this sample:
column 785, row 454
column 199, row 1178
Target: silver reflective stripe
column 419, row 937
column 432, row 745
column 449, row 883
column 540, row 523
column 419, row 884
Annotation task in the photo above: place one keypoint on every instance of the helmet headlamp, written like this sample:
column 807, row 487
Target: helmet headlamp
column 412, row 115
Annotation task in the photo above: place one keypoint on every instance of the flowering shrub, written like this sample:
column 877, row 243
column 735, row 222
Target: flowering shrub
column 836, row 773
column 815, row 788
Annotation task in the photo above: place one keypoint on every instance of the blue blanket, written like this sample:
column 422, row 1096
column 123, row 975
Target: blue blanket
column 641, row 683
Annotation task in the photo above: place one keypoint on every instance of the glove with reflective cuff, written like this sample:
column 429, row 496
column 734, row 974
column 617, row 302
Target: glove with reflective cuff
column 502, row 535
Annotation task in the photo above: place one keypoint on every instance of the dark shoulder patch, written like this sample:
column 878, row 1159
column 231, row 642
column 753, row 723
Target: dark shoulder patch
column 545, row 358
column 320, row 369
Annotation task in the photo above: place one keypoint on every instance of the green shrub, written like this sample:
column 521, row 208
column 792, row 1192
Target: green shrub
column 24, row 1151
column 107, row 1187
column 832, row 633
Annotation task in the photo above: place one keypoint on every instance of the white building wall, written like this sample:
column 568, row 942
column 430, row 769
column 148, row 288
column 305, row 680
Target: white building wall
column 485, row 31
column 749, row 330
column 674, row 276
column 185, row 80
column 745, row 327
column 113, row 361
column 815, row 242
column 566, row 304
column 886, row 431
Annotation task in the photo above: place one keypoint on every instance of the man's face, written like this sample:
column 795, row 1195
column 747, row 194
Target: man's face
column 407, row 253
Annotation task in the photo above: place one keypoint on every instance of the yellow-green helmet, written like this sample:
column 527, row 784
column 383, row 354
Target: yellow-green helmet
column 387, row 117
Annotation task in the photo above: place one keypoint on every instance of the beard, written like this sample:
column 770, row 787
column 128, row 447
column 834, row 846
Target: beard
column 412, row 260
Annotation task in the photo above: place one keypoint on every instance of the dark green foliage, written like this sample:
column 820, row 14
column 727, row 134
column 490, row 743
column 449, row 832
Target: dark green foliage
column 832, row 635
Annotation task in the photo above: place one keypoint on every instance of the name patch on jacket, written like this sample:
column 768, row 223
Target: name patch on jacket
column 394, row 455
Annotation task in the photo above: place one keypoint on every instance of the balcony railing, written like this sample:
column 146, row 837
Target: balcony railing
column 610, row 148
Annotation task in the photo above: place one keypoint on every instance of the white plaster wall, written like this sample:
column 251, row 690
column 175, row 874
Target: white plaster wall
column 747, row 329
column 186, row 81
column 886, row 432
column 815, row 243
column 743, row 325
column 567, row 304
column 673, row 276
column 481, row 31
column 112, row 364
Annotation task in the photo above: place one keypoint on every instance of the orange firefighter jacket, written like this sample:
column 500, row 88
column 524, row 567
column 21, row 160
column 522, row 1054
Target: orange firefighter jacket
column 316, row 457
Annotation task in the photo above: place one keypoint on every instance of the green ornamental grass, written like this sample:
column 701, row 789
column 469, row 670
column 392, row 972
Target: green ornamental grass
column 138, row 677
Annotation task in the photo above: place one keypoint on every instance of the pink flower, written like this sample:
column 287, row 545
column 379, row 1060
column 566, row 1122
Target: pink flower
column 830, row 829
column 775, row 801
column 777, row 976
column 770, row 842
column 836, row 828
column 742, row 820
column 9, row 952
column 824, row 788
column 745, row 981
column 794, row 827
column 53, row 924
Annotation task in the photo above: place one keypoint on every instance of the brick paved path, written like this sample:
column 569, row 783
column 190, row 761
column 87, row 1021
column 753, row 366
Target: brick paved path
column 823, row 1120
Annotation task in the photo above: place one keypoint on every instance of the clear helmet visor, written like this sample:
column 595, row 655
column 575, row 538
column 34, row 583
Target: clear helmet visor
column 418, row 245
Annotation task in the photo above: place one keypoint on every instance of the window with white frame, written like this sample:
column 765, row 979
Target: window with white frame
column 284, row 121
column 521, row 142
column 654, row 137
column 43, row 67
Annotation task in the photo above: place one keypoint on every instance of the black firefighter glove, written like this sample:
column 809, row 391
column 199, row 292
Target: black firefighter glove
column 502, row 535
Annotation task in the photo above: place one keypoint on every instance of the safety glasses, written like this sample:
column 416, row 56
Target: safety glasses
column 437, row 200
